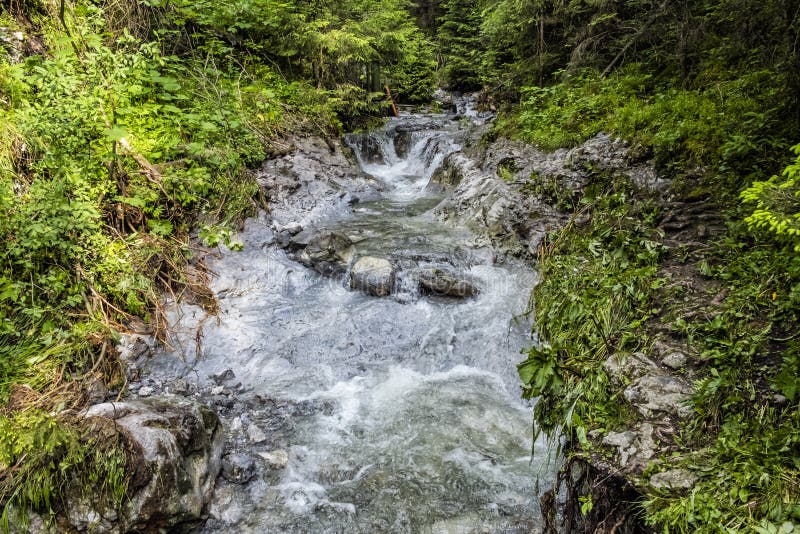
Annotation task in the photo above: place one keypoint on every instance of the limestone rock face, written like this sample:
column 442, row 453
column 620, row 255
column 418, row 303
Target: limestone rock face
column 177, row 444
column 374, row 276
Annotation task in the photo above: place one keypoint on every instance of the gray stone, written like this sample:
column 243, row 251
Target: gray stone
column 673, row 479
column 225, row 376
column 374, row 276
column 238, row 468
column 675, row 360
column 622, row 368
column 177, row 448
column 277, row 459
column 134, row 350
column 255, row 434
column 217, row 390
column 620, row 439
column 179, row 387
column 146, row 391
column 328, row 253
column 635, row 447
column 659, row 393
column 442, row 282
column 293, row 228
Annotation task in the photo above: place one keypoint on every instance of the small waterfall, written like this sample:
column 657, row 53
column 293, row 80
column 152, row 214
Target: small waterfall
column 404, row 154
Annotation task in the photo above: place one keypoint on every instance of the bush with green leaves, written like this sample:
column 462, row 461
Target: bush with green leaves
column 777, row 203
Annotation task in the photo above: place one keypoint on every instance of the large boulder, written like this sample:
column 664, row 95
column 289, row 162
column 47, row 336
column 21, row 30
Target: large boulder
column 446, row 283
column 177, row 448
column 374, row 276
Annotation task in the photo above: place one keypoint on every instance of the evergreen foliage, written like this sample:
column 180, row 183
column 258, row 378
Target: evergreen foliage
column 460, row 45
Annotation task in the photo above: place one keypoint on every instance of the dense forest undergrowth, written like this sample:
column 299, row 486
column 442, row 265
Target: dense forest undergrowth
column 128, row 129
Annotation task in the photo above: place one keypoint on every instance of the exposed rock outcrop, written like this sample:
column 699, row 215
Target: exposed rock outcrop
column 311, row 179
column 514, row 194
column 177, row 447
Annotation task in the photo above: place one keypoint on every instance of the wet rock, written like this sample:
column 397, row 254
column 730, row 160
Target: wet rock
column 12, row 44
column 659, row 393
column 217, row 390
column 328, row 253
column 277, row 459
column 134, row 350
column 223, row 377
column 374, row 276
column 236, row 424
column 179, row 387
column 402, row 142
column 283, row 240
column 514, row 208
column 291, row 228
column 146, row 391
column 442, row 282
column 238, row 468
column 255, row 434
column 298, row 241
column 177, row 448
column 306, row 181
column 368, row 148
column 674, row 479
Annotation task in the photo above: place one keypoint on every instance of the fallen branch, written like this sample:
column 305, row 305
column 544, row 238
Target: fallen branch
column 391, row 100
column 146, row 166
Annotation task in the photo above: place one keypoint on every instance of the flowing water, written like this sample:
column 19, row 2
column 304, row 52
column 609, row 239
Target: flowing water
column 398, row 414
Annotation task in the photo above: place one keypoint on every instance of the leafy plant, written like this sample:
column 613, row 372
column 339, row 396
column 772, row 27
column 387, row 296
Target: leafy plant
column 777, row 203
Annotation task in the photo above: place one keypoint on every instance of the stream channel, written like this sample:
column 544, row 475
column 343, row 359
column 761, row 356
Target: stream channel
column 346, row 412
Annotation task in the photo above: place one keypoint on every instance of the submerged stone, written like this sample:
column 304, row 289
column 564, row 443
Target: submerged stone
column 238, row 468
